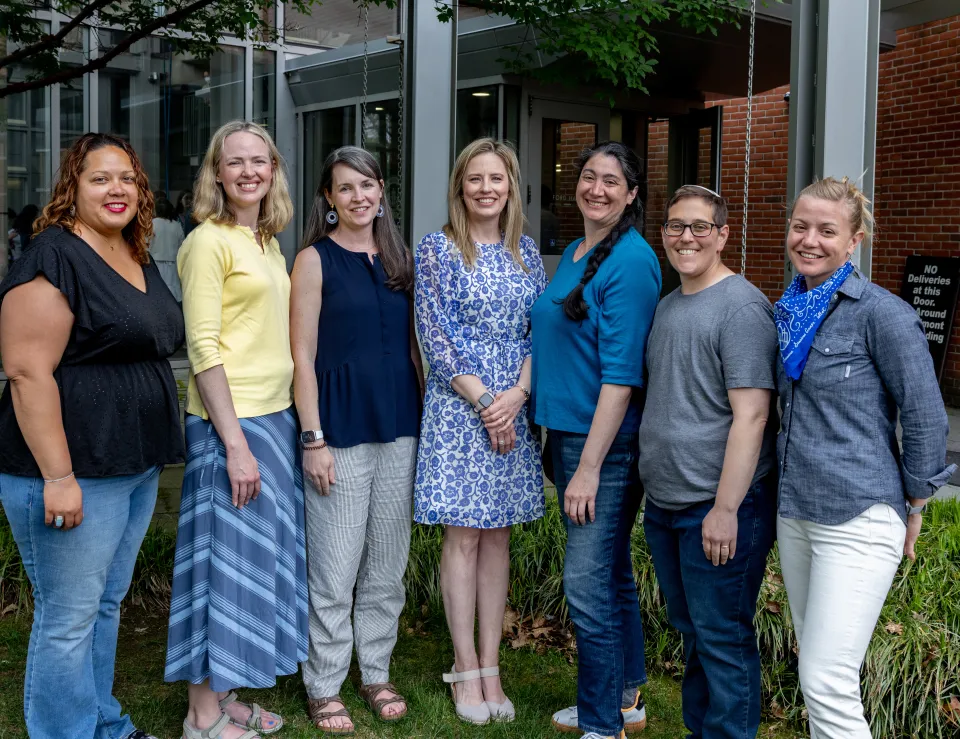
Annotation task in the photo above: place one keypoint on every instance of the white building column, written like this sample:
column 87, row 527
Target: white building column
column 430, row 52
column 833, row 97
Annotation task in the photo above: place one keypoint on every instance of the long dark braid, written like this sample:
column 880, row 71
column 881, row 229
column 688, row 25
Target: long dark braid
column 574, row 306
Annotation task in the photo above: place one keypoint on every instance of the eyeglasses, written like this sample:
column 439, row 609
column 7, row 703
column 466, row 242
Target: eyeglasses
column 700, row 229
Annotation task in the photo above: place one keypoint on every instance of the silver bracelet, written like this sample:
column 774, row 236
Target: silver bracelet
column 59, row 479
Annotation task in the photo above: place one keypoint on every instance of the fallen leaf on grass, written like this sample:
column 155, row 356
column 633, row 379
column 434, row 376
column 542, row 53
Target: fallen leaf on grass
column 522, row 640
column 511, row 620
column 952, row 709
column 773, row 606
column 776, row 710
column 894, row 628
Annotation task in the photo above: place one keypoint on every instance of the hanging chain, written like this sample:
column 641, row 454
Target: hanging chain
column 746, row 162
column 366, row 60
column 399, row 199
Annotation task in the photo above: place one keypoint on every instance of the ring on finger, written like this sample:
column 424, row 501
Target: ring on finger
column 58, row 522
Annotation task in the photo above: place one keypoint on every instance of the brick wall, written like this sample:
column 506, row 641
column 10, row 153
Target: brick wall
column 917, row 174
column 572, row 139
column 918, row 161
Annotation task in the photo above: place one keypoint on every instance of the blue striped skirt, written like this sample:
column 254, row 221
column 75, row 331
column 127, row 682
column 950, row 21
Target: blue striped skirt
column 238, row 613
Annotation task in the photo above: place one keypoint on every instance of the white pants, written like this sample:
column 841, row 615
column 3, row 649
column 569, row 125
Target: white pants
column 837, row 579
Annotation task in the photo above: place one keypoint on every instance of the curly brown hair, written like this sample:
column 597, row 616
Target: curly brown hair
column 60, row 210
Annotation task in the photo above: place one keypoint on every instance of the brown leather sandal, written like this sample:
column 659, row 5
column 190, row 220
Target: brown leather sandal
column 317, row 715
column 369, row 694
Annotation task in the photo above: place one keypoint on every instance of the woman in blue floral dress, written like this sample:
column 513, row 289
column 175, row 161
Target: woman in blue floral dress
column 478, row 466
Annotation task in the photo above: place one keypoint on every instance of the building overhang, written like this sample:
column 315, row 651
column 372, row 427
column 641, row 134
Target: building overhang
column 690, row 66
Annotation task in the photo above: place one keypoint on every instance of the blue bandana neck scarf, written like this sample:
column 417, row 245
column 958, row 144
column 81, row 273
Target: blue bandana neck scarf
column 799, row 314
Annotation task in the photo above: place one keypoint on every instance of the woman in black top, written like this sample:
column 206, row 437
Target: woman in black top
column 88, row 418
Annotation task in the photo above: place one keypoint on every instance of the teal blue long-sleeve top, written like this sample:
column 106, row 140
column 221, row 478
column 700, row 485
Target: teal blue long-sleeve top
column 572, row 360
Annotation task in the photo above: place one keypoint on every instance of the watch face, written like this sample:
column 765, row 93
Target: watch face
column 486, row 400
column 308, row 437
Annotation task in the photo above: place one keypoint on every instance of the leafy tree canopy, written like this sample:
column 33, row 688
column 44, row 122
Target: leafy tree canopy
column 611, row 42
column 614, row 38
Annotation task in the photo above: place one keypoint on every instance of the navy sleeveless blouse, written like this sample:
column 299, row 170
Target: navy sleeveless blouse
column 367, row 383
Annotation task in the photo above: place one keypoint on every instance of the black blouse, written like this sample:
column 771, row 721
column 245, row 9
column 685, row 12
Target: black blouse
column 118, row 396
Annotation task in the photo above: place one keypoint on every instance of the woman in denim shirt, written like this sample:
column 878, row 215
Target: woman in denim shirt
column 852, row 355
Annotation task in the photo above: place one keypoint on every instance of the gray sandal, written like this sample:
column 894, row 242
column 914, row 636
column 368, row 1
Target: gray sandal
column 214, row 732
column 255, row 721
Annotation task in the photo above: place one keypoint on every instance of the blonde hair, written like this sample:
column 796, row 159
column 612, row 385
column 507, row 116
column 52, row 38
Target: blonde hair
column 843, row 191
column 511, row 217
column 210, row 201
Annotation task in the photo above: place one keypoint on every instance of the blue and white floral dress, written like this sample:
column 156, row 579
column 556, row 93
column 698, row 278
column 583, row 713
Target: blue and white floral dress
column 474, row 321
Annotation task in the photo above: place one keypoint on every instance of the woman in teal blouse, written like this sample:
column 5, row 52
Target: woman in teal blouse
column 589, row 332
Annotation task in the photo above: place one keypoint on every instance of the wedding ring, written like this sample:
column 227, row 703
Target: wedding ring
column 58, row 522
column 724, row 547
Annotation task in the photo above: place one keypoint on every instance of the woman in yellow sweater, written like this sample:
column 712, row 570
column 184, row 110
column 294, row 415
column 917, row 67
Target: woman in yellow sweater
column 238, row 616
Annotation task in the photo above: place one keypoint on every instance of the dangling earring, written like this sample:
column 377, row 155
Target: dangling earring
column 73, row 211
column 332, row 217
column 380, row 211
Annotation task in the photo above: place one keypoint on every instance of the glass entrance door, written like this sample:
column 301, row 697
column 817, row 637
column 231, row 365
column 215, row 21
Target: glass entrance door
column 558, row 133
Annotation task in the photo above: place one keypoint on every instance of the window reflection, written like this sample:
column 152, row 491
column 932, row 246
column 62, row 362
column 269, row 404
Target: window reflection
column 476, row 114
column 336, row 23
column 264, row 92
column 323, row 131
column 168, row 106
column 381, row 137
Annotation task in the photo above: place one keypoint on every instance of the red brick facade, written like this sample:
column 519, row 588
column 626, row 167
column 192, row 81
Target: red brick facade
column 917, row 196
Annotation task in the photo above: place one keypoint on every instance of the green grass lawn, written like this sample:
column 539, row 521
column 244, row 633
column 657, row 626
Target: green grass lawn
column 538, row 684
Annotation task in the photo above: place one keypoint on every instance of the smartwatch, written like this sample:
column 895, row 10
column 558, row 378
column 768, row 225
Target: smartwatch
column 913, row 510
column 484, row 401
column 310, row 437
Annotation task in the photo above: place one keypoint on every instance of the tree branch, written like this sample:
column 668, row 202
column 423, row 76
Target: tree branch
column 70, row 73
column 49, row 42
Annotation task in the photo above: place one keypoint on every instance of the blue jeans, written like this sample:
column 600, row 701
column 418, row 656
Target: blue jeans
column 79, row 578
column 713, row 609
column 598, row 582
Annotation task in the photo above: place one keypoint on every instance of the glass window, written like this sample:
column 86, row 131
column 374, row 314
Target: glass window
column 511, row 115
column 168, row 106
column 264, row 89
column 25, row 146
column 337, row 23
column 73, row 122
column 560, row 218
column 323, row 131
column 476, row 114
column 381, row 137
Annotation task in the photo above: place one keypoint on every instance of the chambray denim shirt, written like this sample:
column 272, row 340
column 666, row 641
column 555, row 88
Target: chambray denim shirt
column 837, row 446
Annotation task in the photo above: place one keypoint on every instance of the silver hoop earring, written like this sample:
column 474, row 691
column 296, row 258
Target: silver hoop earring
column 380, row 211
column 332, row 217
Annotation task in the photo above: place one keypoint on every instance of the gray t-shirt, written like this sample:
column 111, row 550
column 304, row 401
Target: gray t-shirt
column 702, row 345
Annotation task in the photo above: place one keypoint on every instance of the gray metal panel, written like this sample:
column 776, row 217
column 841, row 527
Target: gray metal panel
column 431, row 46
column 286, row 140
column 834, row 70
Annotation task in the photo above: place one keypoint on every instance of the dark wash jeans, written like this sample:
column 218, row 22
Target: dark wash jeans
column 713, row 608
column 598, row 581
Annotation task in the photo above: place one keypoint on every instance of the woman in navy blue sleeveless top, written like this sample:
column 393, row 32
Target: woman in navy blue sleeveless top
column 367, row 385
column 358, row 384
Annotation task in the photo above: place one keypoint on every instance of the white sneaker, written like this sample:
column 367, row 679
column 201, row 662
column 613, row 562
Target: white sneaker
column 634, row 718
